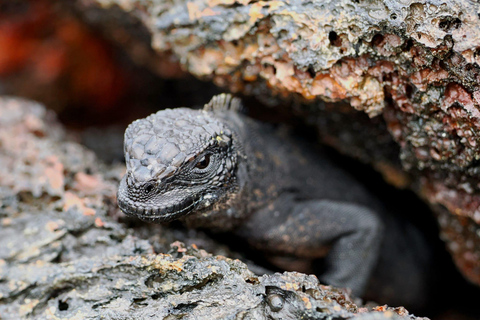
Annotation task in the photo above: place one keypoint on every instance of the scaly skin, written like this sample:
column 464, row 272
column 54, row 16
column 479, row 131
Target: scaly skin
column 216, row 168
column 178, row 162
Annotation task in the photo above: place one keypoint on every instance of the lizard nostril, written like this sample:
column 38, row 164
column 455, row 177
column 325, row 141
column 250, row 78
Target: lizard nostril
column 129, row 181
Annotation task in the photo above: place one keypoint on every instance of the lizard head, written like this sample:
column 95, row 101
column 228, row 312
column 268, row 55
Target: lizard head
column 179, row 161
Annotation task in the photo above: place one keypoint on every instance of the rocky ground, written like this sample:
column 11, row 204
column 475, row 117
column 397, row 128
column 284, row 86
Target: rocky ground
column 393, row 84
column 412, row 66
column 68, row 253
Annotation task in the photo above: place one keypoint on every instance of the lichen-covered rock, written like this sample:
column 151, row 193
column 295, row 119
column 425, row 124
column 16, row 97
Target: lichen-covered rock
column 414, row 64
column 187, row 284
column 65, row 255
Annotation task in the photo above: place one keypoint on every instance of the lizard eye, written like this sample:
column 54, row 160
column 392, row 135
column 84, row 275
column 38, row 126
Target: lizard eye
column 204, row 162
column 148, row 188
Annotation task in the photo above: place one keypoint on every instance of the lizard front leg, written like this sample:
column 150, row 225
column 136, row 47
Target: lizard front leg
column 295, row 227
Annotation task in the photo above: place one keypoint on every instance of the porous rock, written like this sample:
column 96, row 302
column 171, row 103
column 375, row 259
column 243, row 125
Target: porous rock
column 413, row 66
column 66, row 255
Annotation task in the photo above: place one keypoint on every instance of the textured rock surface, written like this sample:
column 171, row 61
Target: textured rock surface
column 414, row 65
column 191, row 284
column 65, row 254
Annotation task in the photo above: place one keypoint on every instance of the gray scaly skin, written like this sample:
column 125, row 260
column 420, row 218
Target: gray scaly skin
column 218, row 169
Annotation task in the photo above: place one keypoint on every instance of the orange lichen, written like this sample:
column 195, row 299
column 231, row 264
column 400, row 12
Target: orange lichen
column 71, row 200
column 99, row 223
column 54, row 173
column 306, row 301
column 88, row 184
column 380, row 308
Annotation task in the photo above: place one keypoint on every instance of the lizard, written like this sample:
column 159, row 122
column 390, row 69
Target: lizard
column 217, row 168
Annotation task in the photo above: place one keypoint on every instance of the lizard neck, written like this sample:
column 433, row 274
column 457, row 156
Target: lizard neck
column 262, row 162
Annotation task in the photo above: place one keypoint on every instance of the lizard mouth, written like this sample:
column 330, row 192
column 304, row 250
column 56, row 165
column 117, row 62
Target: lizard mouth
column 158, row 214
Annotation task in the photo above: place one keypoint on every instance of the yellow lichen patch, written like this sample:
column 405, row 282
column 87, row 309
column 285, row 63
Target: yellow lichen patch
column 307, row 302
column 71, row 200
column 27, row 307
column 213, row 268
column 274, row 5
column 255, row 12
column 40, row 263
column 291, row 286
column 214, row 3
column 369, row 97
column 195, row 12
column 163, row 264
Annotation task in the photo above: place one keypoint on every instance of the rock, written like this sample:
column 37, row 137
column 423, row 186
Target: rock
column 413, row 67
column 66, row 255
column 187, row 284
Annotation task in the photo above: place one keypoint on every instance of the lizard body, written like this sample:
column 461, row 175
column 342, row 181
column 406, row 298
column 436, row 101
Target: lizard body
column 219, row 169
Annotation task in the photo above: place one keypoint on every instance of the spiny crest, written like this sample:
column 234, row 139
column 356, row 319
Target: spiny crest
column 224, row 101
